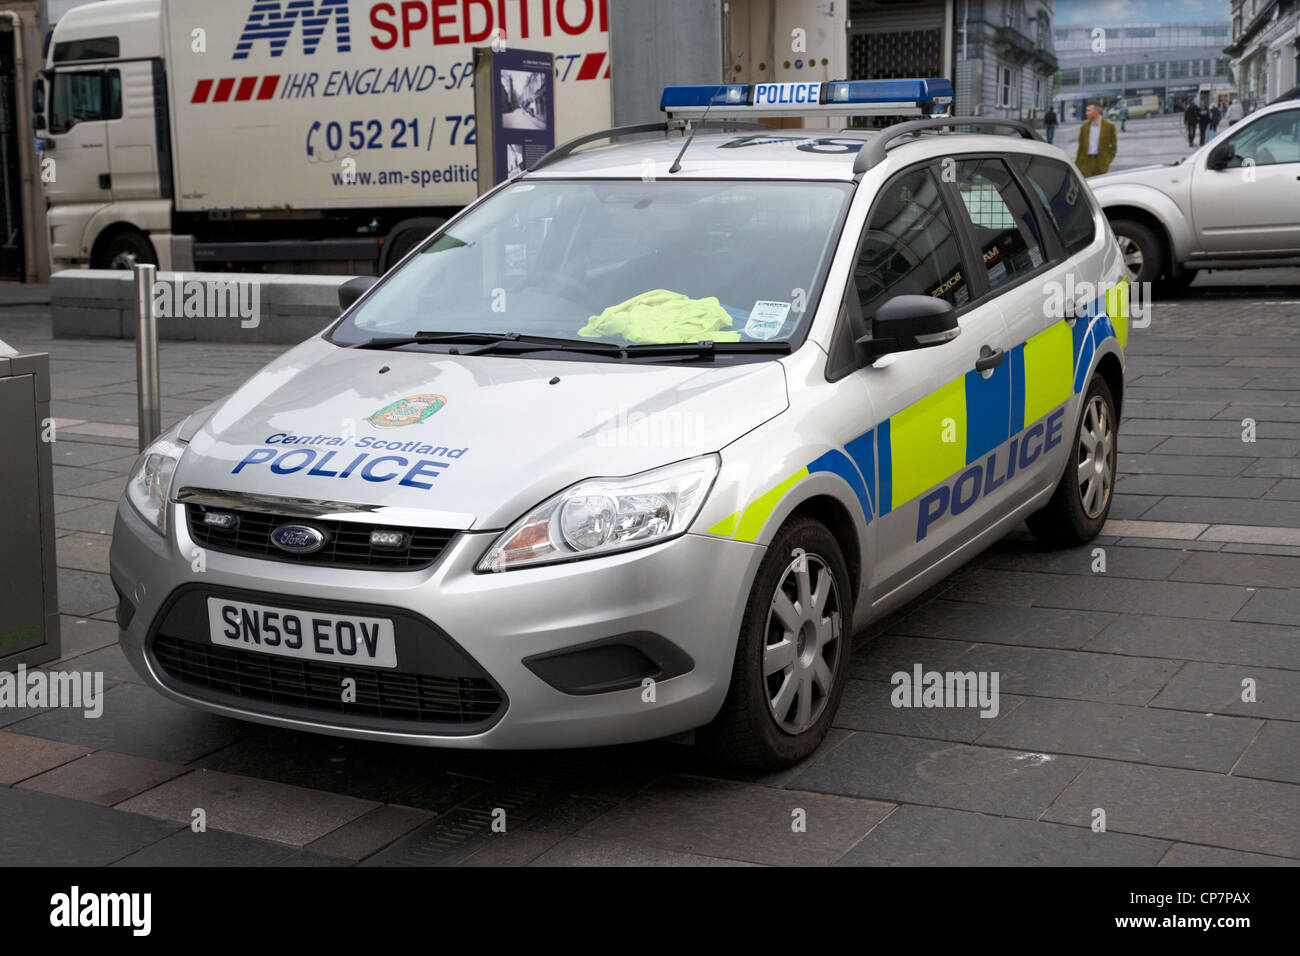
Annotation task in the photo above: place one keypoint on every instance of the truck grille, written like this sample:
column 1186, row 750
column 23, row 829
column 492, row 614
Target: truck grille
column 347, row 543
column 312, row 686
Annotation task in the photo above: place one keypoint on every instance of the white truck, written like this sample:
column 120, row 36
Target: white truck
column 322, row 136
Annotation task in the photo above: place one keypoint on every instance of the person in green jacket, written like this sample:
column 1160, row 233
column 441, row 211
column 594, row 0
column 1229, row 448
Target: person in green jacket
column 1098, row 143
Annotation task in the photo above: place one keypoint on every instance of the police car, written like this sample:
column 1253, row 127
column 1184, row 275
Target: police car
column 639, row 440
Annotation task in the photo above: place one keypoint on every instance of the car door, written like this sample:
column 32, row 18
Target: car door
column 81, row 104
column 1042, row 276
column 1252, row 206
column 935, row 414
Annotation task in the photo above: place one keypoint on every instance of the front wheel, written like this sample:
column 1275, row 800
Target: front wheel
column 1082, row 499
column 124, row 251
column 791, row 655
column 1143, row 252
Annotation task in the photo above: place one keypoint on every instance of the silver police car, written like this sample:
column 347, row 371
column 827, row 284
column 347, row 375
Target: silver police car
column 638, row 441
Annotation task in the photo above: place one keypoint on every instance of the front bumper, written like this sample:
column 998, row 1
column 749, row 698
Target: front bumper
column 684, row 597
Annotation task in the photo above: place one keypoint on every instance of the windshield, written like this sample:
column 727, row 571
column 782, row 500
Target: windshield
column 621, row 262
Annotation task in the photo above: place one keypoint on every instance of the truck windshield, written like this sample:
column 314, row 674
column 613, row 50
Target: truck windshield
column 621, row 262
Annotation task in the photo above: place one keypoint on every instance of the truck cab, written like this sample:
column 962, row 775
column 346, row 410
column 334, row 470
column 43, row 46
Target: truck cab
column 105, row 139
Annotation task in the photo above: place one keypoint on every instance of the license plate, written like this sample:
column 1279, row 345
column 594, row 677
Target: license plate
column 333, row 638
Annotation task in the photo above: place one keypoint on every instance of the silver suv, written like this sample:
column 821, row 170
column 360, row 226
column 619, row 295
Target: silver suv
column 1233, row 204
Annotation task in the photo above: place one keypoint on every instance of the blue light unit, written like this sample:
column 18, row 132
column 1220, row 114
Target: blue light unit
column 919, row 97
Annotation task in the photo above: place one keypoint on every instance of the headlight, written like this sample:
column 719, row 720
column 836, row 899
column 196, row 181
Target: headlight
column 151, row 481
column 603, row 515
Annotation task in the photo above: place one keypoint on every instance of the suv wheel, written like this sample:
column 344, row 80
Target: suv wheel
column 1082, row 499
column 791, row 655
column 1144, row 253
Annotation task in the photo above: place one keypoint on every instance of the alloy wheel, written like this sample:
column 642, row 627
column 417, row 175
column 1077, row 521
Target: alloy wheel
column 802, row 652
column 1096, row 457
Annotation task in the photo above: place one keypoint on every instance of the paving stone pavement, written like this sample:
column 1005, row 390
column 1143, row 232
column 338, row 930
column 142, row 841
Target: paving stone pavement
column 1121, row 689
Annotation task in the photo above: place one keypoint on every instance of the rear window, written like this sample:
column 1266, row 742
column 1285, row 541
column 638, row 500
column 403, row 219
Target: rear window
column 1063, row 196
column 1003, row 224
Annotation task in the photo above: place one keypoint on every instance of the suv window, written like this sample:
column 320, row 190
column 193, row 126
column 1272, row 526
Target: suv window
column 1062, row 196
column 1269, row 140
column 82, row 97
column 1006, row 233
column 910, row 247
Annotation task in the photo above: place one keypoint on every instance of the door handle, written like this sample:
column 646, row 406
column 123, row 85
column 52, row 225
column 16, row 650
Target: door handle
column 105, row 181
column 989, row 359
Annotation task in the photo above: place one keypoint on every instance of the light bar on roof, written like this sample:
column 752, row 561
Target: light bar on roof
column 928, row 97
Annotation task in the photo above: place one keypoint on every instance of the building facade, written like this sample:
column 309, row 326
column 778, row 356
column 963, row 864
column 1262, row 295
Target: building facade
column 1173, row 62
column 1265, row 49
column 1005, row 58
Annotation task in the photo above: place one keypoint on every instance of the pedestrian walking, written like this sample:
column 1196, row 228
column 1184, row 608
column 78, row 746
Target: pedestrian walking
column 1190, row 116
column 1098, row 143
column 1234, row 112
column 1123, row 115
column 1202, row 122
column 1049, row 124
column 1216, row 114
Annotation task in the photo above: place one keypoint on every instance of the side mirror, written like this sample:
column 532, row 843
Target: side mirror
column 38, row 122
column 908, row 322
column 354, row 289
column 38, row 94
column 1221, row 156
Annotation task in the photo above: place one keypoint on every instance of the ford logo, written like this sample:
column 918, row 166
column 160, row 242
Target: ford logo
column 298, row 538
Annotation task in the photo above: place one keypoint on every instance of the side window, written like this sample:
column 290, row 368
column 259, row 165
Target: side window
column 83, row 97
column 1062, row 196
column 1269, row 140
column 910, row 247
column 1006, row 233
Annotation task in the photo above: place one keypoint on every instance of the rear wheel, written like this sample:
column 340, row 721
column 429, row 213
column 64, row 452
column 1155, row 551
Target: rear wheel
column 1082, row 499
column 791, row 656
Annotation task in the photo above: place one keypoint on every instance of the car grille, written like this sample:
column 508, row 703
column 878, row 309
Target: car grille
column 309, row 685
column 347, row 543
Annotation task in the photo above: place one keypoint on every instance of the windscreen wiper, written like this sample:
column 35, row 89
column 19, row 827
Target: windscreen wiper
column 707, row 348
column 517, row 344
column 429, row 338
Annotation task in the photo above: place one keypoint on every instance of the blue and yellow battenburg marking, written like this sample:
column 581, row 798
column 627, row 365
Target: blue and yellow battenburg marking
column 899, row 460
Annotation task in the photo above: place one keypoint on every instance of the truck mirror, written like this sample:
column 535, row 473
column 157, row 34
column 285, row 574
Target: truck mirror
column 38, row 122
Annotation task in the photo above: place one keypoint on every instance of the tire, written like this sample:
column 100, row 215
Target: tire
column 1145, row 259
column 124, row 250
column 1074, row 516
column 747, row 731
column 411, row 235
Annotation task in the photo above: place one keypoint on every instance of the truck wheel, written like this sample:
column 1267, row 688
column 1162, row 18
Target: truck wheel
column 1144, row 253
column 1081, row 502
column 406, row 235
column 792, row 654
column 124, row 250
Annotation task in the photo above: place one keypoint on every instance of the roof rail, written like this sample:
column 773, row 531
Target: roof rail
column 873, row 153
column 564, row 149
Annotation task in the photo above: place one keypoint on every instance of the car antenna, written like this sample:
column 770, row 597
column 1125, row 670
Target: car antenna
column 677, row 163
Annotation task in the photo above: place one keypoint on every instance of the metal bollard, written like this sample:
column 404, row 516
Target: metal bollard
column 148, row 407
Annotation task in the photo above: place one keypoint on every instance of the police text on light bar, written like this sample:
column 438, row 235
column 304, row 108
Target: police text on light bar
column 920, row 97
